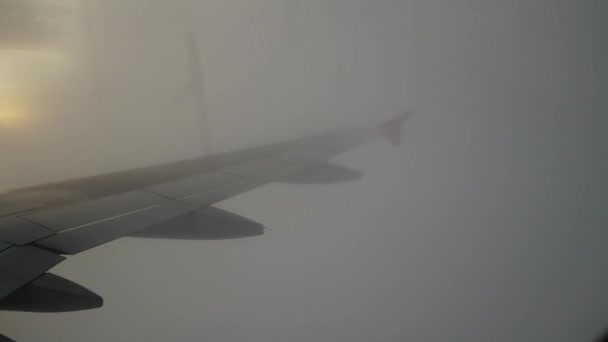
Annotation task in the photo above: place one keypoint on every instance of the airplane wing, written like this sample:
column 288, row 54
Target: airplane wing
column 39, row 225
column 5, row 339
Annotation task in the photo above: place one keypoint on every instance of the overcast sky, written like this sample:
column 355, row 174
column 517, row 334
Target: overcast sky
column 489, row 224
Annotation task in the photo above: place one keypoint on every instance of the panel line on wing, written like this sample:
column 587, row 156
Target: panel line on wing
column 4, row 246
column 19, row 231
column 94, row 234
column 75, row 215
column 112, row 218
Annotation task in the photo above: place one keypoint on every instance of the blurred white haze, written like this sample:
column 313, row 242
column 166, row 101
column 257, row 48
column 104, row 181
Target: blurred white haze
column 488, row 224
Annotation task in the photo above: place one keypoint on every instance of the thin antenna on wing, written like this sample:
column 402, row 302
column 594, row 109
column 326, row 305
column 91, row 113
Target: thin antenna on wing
column 196, row 85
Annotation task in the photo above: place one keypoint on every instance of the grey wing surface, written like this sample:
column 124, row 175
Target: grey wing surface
column 39, row 224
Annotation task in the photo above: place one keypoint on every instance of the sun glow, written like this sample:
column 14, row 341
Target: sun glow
column 13, row 109
column 37, row 56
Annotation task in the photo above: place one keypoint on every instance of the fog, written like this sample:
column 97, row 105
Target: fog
column 488, row 224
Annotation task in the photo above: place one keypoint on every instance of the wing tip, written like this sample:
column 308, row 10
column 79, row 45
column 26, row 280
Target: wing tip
column 391, row 129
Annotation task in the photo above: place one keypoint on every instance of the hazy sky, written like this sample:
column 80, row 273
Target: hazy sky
column 489, row 224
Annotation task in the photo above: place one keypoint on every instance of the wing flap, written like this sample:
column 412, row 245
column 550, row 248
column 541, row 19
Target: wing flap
column 21, row 265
